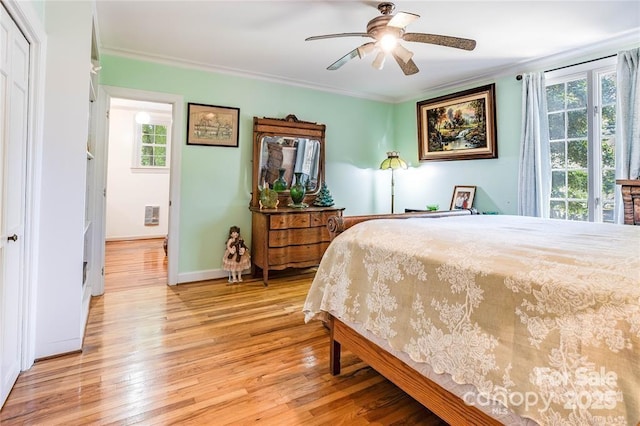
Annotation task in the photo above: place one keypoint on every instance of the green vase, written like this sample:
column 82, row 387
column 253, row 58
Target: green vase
column 268, row 198
column 298, row 191
column 280, row 184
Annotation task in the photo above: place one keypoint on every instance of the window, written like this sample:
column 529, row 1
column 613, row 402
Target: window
column 153, row 140
column 581, row 104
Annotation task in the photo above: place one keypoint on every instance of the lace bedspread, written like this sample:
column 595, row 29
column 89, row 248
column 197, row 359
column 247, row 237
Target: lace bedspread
column 542, row 316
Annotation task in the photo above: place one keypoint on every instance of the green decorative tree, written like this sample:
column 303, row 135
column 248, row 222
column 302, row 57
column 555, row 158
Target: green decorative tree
column 324, row 198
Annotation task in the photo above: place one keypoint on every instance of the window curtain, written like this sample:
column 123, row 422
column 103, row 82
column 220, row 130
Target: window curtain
column 308, row 159
column 627, row 122
column 534, row 176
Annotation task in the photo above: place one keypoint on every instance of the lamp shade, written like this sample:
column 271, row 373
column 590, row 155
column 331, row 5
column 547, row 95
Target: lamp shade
column 393, row 161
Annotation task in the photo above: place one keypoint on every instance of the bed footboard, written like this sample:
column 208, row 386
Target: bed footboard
column 438, row 400
column 338, row 224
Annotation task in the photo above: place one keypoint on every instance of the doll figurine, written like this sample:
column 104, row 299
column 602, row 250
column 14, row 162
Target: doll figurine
column 236, row 256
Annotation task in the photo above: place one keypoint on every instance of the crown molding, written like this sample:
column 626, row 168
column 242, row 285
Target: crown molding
column 240, row 73
column 623, row 41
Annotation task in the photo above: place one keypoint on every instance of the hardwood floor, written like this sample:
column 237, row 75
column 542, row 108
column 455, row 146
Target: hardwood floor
column 134, row 264
column 202, row 353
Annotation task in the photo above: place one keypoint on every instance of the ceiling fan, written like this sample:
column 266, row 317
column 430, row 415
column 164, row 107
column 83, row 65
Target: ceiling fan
column 387, row 30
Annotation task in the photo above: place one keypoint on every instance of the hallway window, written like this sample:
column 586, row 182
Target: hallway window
column 153, row 143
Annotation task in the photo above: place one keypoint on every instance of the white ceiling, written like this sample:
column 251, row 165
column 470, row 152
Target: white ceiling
column 266, row 39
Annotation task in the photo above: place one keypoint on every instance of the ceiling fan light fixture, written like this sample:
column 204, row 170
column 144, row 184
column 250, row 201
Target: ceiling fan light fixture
column 403, row 53
column 378, row 62
column 388, row 42
column 388, row 30
column 365, row 49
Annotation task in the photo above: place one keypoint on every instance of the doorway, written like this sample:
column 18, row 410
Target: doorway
column 144, row 168
column 138, row 176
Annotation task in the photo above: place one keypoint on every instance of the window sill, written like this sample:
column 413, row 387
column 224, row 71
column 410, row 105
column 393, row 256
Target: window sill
column 151, row 170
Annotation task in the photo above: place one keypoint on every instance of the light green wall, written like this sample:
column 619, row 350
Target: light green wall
column 216, row 181
column 432, row 182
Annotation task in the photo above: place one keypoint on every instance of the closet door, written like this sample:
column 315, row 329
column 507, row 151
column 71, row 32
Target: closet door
column 14, row 77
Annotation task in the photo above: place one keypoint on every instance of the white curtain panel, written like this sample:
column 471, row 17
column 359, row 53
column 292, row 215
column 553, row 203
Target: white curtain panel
column 627, row 122
column 534, row 177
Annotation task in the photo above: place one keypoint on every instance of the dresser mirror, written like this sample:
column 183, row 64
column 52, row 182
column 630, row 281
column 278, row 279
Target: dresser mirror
column 289, row 155
column 284, row 147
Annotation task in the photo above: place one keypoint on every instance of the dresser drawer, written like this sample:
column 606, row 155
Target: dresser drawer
column 299, row 236
column 297, row 254
column 286, row 221
column 320, row 218
column 289, row 238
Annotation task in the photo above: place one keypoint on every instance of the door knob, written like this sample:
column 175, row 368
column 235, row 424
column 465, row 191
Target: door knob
column 14, row 238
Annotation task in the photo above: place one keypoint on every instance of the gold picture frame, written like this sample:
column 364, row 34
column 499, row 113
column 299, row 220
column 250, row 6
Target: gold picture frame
column 212, row 125
column 462, row 197
column 459, row 126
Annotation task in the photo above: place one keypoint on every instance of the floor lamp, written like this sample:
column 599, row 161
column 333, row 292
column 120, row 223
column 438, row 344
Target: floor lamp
column 393, row 161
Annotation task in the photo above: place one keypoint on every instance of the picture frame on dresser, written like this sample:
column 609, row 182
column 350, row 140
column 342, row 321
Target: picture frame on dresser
column 462, row 197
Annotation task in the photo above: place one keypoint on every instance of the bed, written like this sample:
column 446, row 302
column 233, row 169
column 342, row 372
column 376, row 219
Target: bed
column 490, row 319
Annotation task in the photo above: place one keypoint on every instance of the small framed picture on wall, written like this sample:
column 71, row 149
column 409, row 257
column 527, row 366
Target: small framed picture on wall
column 212, row 125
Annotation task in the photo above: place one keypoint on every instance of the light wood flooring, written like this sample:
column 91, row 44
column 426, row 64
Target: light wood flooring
column 205, row 353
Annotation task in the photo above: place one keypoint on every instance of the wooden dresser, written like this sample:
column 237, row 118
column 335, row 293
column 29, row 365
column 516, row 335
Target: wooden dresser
column 631, row 200
column 289, row 238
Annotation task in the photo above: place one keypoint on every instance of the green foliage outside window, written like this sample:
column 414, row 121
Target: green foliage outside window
column 556, row 126
column 577, row 94
column 568, row 129
column 153, row 150
column 568, row 133
column 607, row 145
column 577, row 123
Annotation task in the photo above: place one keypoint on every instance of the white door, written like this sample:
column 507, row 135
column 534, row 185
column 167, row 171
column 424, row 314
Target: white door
column 14, row 77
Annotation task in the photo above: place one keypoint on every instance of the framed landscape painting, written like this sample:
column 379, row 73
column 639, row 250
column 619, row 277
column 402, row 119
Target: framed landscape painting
column 212, row 125
column 460, row 126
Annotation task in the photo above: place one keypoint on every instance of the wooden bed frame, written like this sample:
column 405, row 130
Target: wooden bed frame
column 338, row 224
column 438, row 400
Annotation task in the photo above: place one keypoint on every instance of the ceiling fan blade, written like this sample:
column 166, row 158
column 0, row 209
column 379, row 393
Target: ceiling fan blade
column 408, row 68
column 402, row 52
column 321, row 37
column 346, row 58
column 402, row 19
column 457, row 42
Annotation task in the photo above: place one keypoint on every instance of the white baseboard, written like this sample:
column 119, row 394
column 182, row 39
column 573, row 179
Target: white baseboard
column 210, row 274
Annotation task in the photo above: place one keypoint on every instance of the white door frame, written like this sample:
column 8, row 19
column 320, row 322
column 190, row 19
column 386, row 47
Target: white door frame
column 33, row 30
column 104, row 99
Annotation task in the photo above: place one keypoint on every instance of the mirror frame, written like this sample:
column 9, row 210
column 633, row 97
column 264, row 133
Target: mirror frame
column 289, row 126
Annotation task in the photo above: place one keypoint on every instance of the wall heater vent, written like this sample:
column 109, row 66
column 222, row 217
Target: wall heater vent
column 151, row 215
